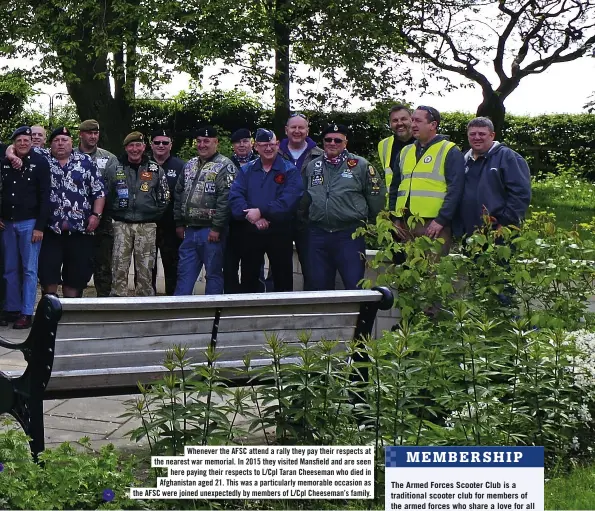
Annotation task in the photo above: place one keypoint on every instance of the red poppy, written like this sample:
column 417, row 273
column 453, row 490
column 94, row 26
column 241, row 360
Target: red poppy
column 280, row 179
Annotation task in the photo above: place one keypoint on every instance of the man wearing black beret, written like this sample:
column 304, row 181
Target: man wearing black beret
column 201, row 214
column 243, row 152
column 167, row 242
column 77, row 198
column 345, row 192
column 25, row 208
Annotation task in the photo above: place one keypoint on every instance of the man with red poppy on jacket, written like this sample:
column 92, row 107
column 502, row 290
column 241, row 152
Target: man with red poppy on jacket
column 264, row 197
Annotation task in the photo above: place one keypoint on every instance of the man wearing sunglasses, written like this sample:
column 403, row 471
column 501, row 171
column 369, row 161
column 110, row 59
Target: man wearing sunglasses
column 167, row 242
column 345, row 191
column 430, row 182
column 104, row 234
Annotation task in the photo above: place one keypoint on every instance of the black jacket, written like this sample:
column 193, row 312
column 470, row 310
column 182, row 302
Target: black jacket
column 25, row 193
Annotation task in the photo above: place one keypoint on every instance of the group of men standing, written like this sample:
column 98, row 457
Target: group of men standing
column 68, row 214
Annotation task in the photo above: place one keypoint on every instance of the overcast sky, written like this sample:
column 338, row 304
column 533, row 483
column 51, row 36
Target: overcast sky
column 564, row 88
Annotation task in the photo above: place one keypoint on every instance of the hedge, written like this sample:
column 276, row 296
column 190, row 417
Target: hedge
column 548, row 142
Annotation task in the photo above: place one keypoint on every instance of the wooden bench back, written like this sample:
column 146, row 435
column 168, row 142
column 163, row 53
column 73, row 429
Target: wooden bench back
column 115, row 342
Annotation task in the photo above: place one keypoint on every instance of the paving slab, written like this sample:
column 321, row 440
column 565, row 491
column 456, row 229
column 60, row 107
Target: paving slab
column 98, row 409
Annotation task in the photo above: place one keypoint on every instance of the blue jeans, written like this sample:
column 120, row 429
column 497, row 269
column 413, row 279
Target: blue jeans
column 329, row 252
column 195, row 251
column 20, row 266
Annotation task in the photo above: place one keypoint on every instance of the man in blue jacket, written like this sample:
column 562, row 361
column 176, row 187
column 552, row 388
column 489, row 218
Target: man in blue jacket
column 497, row 181
column 264, row 197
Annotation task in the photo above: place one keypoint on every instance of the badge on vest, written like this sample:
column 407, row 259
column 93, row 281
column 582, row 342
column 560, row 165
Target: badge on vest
column 347, row 173
column 101, row 163
column 123, row 203
column 371, row 171
column 153, row 167
column 316, row 180
column 146, row 176
column 427, row 159
column 144, row 187
column 122, row 193
column 352, row 162
column 171, row 173
column 318, row 164
column 210, row 187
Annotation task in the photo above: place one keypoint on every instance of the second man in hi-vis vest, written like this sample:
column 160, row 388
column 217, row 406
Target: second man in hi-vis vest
column 430, row 182
column 399, row 120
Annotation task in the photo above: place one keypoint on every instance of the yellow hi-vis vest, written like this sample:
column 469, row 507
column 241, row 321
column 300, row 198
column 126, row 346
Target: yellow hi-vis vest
column 423, row 181
column 385, row 147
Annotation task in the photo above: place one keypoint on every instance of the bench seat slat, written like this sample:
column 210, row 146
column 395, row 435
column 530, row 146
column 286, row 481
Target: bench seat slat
column 232, row 345
column 225, row 301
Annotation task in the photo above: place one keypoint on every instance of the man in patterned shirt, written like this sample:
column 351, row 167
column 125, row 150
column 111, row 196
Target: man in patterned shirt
column 77, row 198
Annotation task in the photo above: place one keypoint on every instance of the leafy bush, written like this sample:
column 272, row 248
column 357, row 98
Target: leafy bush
column 65, row 479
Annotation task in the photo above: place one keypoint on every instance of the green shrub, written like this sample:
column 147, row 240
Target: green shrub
column 65, row 479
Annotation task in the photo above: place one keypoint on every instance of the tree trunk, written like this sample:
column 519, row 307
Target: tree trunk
column 93, row 100
column 282, row 69
column 492, row 106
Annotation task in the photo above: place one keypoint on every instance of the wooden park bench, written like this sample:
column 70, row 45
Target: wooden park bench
column 83, row 347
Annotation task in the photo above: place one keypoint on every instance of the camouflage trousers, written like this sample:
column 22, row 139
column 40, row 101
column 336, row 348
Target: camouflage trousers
column 137, row 239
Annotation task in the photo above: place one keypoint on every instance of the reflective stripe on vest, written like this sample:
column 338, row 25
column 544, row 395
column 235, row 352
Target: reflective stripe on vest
column 423, row 181
column 384, row 149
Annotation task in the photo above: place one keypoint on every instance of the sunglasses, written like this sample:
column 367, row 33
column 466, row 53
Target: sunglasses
column 160, row 142
column 297, row 114
column 328, row 140
column 429, row 110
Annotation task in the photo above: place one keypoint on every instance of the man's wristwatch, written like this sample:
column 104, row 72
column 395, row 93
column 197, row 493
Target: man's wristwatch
column 98, row 215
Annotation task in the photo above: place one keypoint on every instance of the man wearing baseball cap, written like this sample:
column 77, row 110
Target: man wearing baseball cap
column 138, row 195
column 264, row 198
column 104, row 234
column 345, row 192
column 25, row 208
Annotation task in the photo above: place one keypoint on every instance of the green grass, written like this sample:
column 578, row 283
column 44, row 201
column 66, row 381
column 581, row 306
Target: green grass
column 571, row 198
column 575, row 491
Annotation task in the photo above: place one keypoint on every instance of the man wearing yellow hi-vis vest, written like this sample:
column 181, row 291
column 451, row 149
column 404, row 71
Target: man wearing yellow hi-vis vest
column 430, row 180
column 399, row 120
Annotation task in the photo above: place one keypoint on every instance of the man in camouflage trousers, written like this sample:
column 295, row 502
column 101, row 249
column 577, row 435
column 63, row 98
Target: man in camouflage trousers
column 138, row 196
column 104, row 234
column 201, row 214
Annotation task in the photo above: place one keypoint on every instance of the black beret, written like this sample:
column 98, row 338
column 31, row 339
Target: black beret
column 206, row 131
column 336, row 128
column 61, row 130
column 23, row 130
column 238, row 135
column 264, row 135
column 160, row 133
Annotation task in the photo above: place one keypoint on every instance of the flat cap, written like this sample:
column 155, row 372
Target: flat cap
column 161, row 132
column 60, row 130
column 336, row 128
column 135, row 136
column 89, row 125
column 238, row 135
column 206, row 131
column 264, row 135
column 23, row 130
